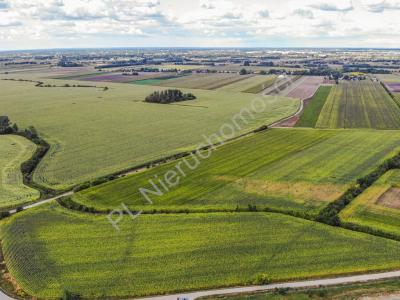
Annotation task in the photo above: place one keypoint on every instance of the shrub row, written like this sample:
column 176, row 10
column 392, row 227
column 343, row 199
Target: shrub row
column 28, row 167
column 329, row 215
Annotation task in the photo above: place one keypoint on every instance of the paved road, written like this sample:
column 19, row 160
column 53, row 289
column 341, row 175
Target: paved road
column 41, row 202
column 298, row 284
column 4, row 296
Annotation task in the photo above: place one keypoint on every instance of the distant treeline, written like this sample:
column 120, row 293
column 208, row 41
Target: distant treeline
column 169, row 96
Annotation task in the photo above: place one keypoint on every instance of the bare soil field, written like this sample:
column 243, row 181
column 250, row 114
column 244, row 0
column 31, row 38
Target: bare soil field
column 394, row 87
column 307, row 88
column 391, row 198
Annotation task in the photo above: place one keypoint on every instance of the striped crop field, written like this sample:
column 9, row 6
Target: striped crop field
column 204, row 81
column 14, row 150
column 313, row 108
column 359, row 104
column 378, row 208
column 254, row 85
column 94, row 132
column 288, row 170
column 157, row 254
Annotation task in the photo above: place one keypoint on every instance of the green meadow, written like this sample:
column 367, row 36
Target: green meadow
column 14, row 150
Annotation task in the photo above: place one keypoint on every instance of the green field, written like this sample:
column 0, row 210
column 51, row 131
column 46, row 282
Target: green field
column 397, row 98
column 311, row 113
column 360, row 104
column 156, row 254
column 378, row 208
column 297, row 170
column 14, row 150
column 94, row 132
column 206, row 81
column 252, row 85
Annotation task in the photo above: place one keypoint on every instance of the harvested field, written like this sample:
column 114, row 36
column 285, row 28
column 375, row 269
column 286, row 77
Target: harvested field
column 204, row 81
column 391, row 198
column 283, row 86
column 393, row 87
column 120, row 78
column 307, row 88
column 158, row 254
column 389, row 78
column 359, row 104
column 253, row 85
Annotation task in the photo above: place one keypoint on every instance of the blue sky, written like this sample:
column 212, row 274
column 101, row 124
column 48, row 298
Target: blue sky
column 198, row 23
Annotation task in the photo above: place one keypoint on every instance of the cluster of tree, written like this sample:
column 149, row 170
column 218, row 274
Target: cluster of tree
column 6, row 127
column 169, row 96
column 360, row 77
column 370, row 70
column 244, row 72
column 68, row 64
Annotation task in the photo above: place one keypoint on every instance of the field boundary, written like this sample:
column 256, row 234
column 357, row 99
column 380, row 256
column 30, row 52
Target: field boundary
column 330, row 215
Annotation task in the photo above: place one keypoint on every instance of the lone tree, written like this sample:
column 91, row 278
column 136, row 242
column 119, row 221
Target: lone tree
column 5, row 125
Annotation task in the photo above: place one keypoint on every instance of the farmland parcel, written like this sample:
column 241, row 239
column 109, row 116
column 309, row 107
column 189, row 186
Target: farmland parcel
column 359, row 104
column 289, row 170
column 14, row 150
column 157, row 254
column 378, row 208
column 94, row 132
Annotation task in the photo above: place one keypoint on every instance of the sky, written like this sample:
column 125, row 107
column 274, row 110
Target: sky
column 40, row 24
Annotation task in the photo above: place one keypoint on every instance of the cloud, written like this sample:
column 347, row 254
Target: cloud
column 214, row 22
column 264, row 13
column 382, row 6
column 305, row 13
column 4, row 4
column 207, row 5
column 332, row 7
column 5, row 23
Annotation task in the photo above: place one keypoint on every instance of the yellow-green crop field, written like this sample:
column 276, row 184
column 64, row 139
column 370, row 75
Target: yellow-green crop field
column 252, row 85
column 94, row 132
column 156, row 254
column 14, row 150
column 359, row 104
column 295, row 170
column 204, row 81
column 378, row 208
